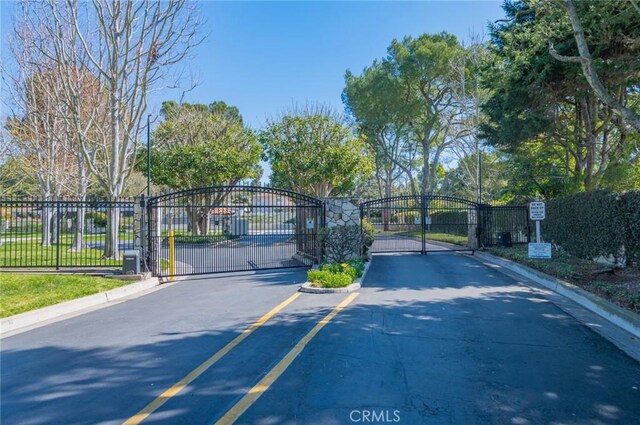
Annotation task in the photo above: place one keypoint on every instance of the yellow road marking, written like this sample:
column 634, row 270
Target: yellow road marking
column 179, row 386
column 263, row 385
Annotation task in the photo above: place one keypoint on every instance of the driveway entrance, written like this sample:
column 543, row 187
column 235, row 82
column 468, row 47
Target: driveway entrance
column 233, row 228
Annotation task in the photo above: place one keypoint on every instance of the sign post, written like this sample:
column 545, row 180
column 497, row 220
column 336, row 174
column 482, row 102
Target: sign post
column 537, row 213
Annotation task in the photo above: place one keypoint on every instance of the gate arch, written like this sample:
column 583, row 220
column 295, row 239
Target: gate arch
column 423, row 223
column 233, row 228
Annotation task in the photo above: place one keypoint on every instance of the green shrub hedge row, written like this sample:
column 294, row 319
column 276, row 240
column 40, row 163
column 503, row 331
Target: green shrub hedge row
column 328, row 279
column 336, row 275
column 590, row 224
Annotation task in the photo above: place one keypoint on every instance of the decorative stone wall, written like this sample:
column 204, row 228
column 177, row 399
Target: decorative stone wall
column 342, row 212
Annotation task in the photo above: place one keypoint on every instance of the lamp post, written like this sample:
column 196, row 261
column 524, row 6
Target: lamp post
column 478, row 172
column 149, row 155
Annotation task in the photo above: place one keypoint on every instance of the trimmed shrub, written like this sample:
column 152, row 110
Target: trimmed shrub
column 336, row 275
column 595, row 223
column 368, row 234
column 631, row 218
column 99, row 218
column 358, row 265
column 407, row 217
column 328, row 279
column 341, row 242
column 451, row 222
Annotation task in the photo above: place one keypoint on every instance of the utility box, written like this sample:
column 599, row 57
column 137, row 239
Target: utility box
column 504, row 239
column 131, row 262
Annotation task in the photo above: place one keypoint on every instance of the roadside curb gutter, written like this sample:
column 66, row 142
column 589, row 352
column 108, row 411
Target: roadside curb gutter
column 619, row 316
column 36, row 317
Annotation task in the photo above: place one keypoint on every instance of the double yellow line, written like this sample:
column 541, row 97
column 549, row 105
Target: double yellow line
column 261, row 387
column 243, row 404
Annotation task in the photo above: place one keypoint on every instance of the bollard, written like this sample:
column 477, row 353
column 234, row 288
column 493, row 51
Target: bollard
column 172, row 255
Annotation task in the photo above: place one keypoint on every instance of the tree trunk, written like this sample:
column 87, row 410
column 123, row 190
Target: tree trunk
column 55, row 228
column 76, row 245
column 111, row 236
column 83, row 182
column 47, row 215
column 385, row 211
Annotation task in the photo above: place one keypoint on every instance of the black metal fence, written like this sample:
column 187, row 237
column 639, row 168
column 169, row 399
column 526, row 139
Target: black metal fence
column 61, row 233
column 421, row 223
column 505, row 225
column 224, row 229
column 426, row 223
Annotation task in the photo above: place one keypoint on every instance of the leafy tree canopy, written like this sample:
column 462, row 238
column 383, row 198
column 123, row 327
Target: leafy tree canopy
column 202, row 145
column 313, row 152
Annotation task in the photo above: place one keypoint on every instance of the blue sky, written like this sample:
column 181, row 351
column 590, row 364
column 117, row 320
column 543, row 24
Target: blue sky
column 266, row 56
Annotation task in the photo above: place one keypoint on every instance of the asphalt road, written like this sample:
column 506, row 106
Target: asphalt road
column 388, row 243
column 250, row 252
column 436, row 339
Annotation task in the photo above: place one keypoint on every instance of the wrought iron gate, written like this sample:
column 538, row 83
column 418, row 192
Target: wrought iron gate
column 232, row 228
column 422, row 223
column 428, row 223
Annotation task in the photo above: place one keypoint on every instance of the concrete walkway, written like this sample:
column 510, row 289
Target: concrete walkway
column 430, row 339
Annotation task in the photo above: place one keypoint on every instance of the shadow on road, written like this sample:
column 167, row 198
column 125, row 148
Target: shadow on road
column 443, row 339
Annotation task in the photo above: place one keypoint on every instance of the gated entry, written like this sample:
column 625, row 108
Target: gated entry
column 422, row 223
column 233, row 228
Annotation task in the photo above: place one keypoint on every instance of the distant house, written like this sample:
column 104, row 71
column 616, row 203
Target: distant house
column 220, row 211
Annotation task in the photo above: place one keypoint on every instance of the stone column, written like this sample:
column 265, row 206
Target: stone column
column 343, row 212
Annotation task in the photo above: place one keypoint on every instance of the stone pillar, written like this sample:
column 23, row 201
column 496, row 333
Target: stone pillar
column 343, row 212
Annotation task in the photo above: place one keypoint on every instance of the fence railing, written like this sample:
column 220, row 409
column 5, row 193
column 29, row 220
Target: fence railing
column 62, row 233
column 505, row 219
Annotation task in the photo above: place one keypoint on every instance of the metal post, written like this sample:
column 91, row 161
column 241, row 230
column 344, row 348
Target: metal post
column 57, row 238
column 148, row 155
column 423, row 219
column 143, row 234
column 172, row 255
column 478, row 172
column 538, row 231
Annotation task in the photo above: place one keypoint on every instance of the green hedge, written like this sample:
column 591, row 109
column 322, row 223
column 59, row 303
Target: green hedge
column 326, row 279
column 451, row 222
column 631, row 218
column 590, row 224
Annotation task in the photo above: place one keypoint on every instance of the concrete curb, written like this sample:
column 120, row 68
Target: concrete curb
column 357, row 284
column 34, row 317
column 306, row 287
column 619, row 316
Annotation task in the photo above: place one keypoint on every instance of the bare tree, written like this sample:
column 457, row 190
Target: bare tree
column 127, row 47
column 35, row 124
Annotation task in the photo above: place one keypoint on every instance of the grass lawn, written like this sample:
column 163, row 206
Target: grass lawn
column 620, row 286
column 24, row 292
column 441, row 237
column 35, row 255
column 64, row 237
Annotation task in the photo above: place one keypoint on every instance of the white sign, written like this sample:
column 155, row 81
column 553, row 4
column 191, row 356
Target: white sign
column 417, row 220
column 539, row 250
column 537, row 211
column 310, row 224
column 427, row 220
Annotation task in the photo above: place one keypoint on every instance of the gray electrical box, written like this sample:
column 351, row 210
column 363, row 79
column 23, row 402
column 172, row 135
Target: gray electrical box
column 131, row 262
